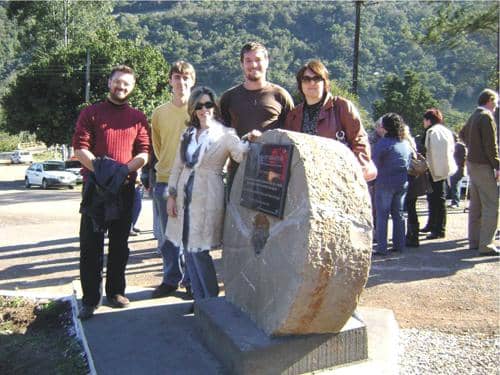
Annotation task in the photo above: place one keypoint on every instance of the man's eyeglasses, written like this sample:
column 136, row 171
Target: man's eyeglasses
column 315, row 79
column 207, row 105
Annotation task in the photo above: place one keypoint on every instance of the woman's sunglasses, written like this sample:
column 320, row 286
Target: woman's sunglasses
column 207, row 105
column 308, row 79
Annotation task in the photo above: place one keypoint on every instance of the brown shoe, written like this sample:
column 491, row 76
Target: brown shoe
column 118, row 301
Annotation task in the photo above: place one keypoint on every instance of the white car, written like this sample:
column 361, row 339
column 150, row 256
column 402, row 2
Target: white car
column 49, row 173
column 74, row 166
column 18, row 157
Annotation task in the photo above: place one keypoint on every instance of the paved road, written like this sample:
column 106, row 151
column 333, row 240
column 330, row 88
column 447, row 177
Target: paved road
column 39, row 238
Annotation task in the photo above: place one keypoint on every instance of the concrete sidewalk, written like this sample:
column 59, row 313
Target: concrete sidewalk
column 160, row 336
column 151, row 336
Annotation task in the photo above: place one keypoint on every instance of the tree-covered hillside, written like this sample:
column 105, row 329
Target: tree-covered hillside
column 210, row 35
column 448, row 49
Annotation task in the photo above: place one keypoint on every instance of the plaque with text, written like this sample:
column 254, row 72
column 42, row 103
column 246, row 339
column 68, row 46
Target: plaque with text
column 265, row 181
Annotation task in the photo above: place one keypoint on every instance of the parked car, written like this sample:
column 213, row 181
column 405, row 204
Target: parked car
column 74, row 166
column 19, row 156
column 49, row 173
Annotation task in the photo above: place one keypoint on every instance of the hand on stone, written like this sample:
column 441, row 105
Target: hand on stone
column 171, row 207
column 252, row 136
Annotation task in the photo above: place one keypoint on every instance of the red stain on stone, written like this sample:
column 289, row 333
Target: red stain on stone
column 317, row 299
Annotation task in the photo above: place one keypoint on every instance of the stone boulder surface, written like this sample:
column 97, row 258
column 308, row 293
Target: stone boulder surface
column 304, row 273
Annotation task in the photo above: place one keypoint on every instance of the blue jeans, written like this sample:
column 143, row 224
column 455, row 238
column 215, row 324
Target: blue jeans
column 160, row 208
column 203, row 276
column 390, row 200
column 454, row 188
column 173, row 272
column 137, row 206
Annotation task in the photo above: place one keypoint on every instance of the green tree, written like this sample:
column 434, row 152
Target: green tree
column 406, row 96
column 46, row 98
column 453, row 21
column 8, row 45
column 465, row 23
column 48, row 25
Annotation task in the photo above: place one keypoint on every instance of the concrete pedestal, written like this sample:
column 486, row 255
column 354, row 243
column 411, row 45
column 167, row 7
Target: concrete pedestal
column 243, row 348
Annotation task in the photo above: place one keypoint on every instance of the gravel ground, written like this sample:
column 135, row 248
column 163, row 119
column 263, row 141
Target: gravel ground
column 432, row 352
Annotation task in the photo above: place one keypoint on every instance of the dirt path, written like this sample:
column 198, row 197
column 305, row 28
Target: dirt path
column 441, row 285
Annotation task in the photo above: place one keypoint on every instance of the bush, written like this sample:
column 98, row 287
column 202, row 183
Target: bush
column 8, row 142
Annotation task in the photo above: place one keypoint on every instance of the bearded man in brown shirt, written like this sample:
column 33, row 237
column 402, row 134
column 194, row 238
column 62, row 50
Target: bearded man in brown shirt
column 256, row 103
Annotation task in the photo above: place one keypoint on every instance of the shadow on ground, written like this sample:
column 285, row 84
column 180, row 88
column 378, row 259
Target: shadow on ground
column 140, row 331
column 430, row 260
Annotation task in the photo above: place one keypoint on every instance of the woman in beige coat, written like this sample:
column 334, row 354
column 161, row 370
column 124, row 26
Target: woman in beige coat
column 195, row 204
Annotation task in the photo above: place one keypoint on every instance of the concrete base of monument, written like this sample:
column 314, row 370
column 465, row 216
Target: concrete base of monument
column 243, row 348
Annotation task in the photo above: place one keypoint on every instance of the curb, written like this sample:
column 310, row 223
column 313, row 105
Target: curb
column 80, row 333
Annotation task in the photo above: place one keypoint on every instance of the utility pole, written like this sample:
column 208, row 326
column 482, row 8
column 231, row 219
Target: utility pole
column 87, row 78
column 355, row 59
column 65, row 11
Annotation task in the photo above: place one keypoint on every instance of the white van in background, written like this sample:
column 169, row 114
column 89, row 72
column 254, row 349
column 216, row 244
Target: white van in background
column 19, row 156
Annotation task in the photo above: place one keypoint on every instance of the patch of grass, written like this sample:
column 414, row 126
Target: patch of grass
column 38, row 338
column 47, row 155
column 12, row 302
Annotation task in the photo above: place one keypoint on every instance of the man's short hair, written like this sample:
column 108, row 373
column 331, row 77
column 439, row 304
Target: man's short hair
column 122, row 69
column 487, row 95
column 182, row 67
column 253, row 46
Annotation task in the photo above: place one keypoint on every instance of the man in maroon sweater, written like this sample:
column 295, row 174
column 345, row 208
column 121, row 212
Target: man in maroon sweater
column 115, row 130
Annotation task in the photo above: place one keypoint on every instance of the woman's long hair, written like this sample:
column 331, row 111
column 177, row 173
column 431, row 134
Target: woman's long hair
column 194, row 99
column 394, row 125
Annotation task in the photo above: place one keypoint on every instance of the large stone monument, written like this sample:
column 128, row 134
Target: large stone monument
column 304, row 273
column 296, row 256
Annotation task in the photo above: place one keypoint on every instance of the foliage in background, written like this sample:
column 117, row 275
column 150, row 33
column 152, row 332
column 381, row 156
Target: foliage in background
column 46, row 98
column 9, row 45
column 210, row 35
column 456, row 23
column 407, row 96
column 49, row 25
column 8, row 142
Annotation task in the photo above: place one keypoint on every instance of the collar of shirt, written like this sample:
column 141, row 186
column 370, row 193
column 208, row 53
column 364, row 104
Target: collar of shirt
column 483, row 108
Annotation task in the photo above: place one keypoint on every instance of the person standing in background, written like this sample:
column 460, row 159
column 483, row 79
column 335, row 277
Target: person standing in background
column 392, row 155
column 168, row 123
column 480, row 137
column 439, row 146
column 456, row 179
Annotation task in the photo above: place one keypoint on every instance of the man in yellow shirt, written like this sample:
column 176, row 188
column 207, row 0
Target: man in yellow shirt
column 168, row 122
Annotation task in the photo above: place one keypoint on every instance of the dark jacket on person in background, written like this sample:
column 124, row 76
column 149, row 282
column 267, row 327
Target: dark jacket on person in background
column 480, row 137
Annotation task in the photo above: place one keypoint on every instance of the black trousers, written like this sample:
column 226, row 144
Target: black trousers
column 92, row 254
column 412, row 223
column 437, row 207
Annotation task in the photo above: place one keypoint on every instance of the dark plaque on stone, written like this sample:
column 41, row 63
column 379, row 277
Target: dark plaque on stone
column 265, row 182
